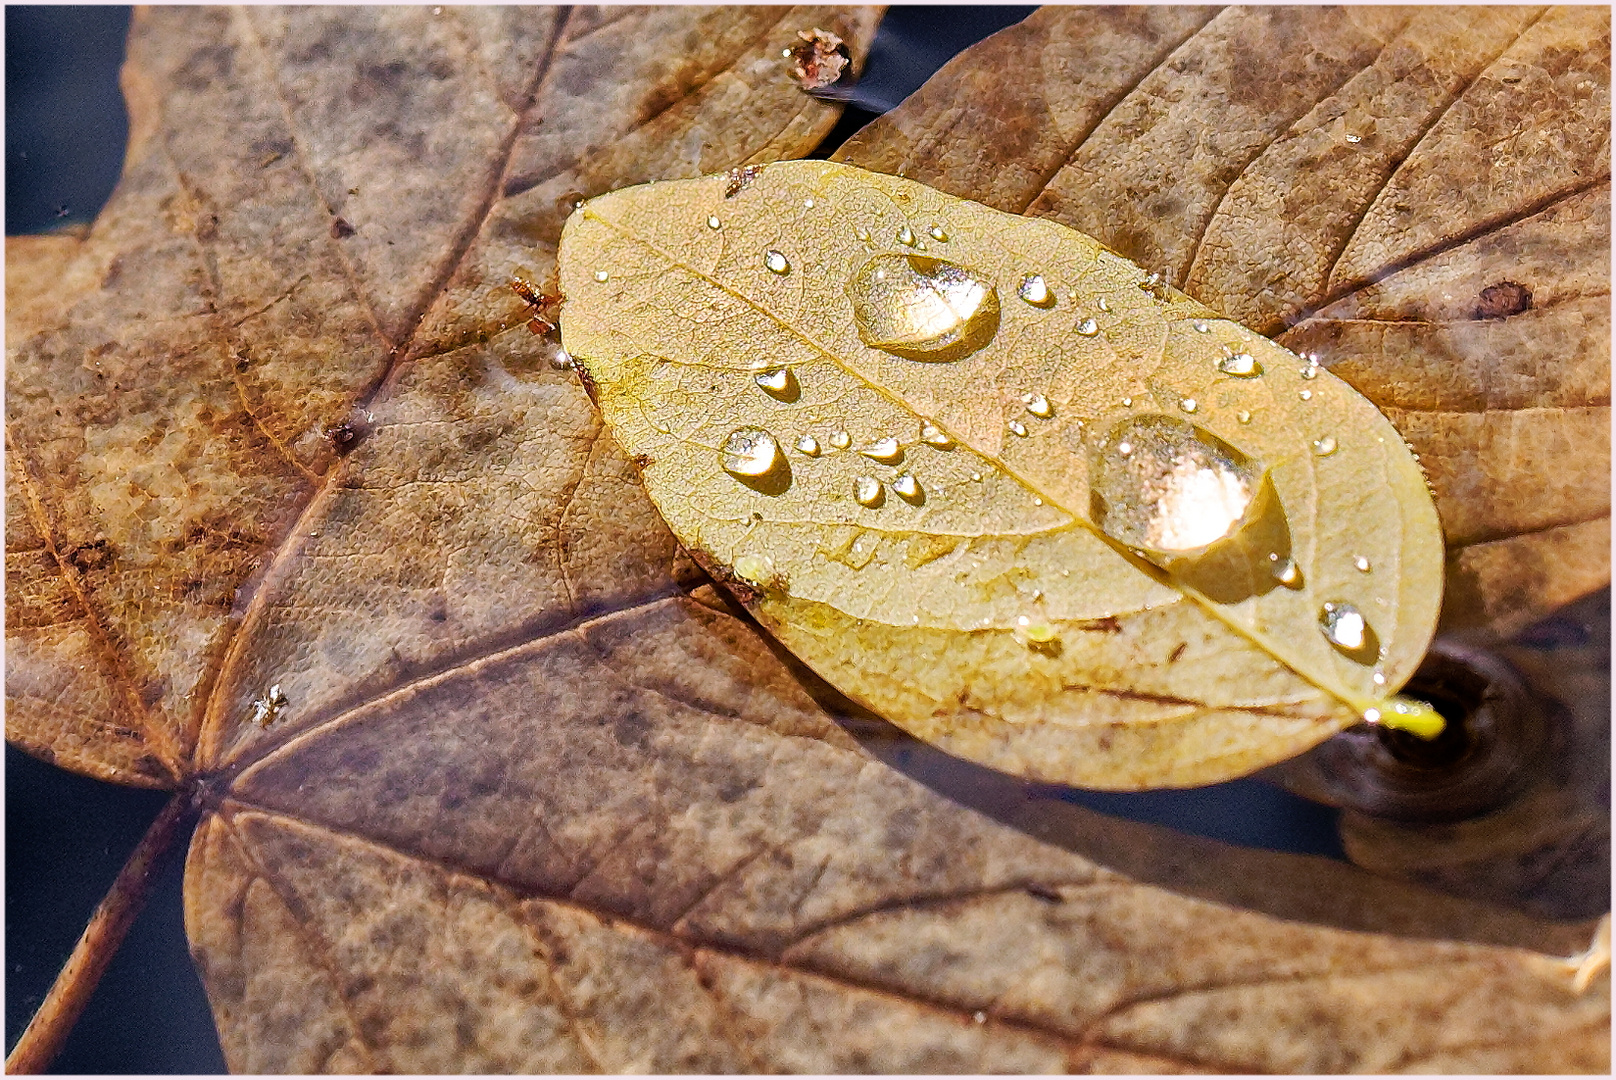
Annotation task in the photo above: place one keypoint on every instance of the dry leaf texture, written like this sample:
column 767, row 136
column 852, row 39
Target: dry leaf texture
column 994, row 600
column 1421, row 196
column 530, row 803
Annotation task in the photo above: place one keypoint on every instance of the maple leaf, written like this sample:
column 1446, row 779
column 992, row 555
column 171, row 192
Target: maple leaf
column 489, row 777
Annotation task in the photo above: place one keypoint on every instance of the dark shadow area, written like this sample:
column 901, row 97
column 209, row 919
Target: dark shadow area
column 67, row 837
column 66, row 124
column 911, row 44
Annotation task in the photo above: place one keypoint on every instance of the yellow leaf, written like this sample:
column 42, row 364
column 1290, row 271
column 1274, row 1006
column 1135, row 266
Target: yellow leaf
column 997, row 482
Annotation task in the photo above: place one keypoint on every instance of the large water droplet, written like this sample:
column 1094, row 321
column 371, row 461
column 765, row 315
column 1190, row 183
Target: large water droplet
column 750, row 452
column 776, row 262
column 869, row 492
column 1240, row 365
column 1344, row 627
column 922, row 308
column 885, row 450
column 1176, row 490
column 932, row 435
column 1033, row 290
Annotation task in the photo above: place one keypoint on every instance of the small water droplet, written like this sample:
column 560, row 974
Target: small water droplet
column 885, row 450
column 976, row 476
column 1311, row 369
column 905, row 235
column 908, row 487
column 1033, row 290
column 1018, row 428
column 1243, row 416
column 932, row 435
column 1343, row 626
column 1241, row 365
column 1039, row 406
column 714, row 223
column 779, row 383
column 840, row 440
column 1127, row 403
column 862, row 234
column 750, row 452
column 1034, row 633
column 807, row 204
column 1102, row 303
column 755, row 569
column 1201, row 327
column 1326, row 446
column 922, row 308
column 1189, row 404
column 561, row 360
column 1088, row 328
column 808, row 445
column 1166, row 486
column 1037, row 501
column 938, row 234
column 601, row 275
column 1361, row 564
column 1380, row 678
column 869, row 492
column 776, row 262
column 1306, row 395
column 1286, row 573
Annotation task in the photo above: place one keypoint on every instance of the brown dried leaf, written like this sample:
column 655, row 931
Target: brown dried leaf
column 531, row 803
column 1409, row 163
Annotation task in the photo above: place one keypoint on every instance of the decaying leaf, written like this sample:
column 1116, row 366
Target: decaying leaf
column 999, row 484
column 1409, row 163
column 538, row 797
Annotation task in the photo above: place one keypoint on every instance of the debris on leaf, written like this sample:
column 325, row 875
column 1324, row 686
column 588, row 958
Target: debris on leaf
column 820, row 60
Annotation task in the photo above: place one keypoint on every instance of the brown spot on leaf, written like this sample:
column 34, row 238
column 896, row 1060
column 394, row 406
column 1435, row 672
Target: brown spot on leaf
column 340, row 229
column 1502, row 300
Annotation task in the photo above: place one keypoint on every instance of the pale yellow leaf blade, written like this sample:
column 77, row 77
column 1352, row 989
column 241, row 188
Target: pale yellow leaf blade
column 925, row 522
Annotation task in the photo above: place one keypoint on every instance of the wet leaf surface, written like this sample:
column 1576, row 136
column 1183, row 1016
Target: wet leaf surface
column 538, row 797
column 996, row 484
column 1437, row 179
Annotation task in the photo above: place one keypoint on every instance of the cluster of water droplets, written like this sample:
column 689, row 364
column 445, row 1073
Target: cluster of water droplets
column 1163, row 486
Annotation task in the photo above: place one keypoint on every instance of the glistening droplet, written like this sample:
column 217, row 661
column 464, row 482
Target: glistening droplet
column 779, row 383
column 1240, row 365
column 922, row 308
column 1175, row 490
column 907, row 487
column 1039, row 406
column 808, row 446
column 1017, row 428
column 1306, row 395
column 1325, row 446
column 714, row 223
column 601, row 275
column 1034, row 633
column 868, row 491
column 776, row 262
column 840, row 440
column 1033, row 290
column 1088, row 328
column 750, row 452
column 1361, row 564
column 938, row 234
column 885, row 450
column 905, row 235
column 1344, row 626
column 932, row 435
column 1286, row 573
column 1189, row 404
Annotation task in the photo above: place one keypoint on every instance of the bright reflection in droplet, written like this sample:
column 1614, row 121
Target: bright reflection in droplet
column 922, row 308
column 750, row 452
